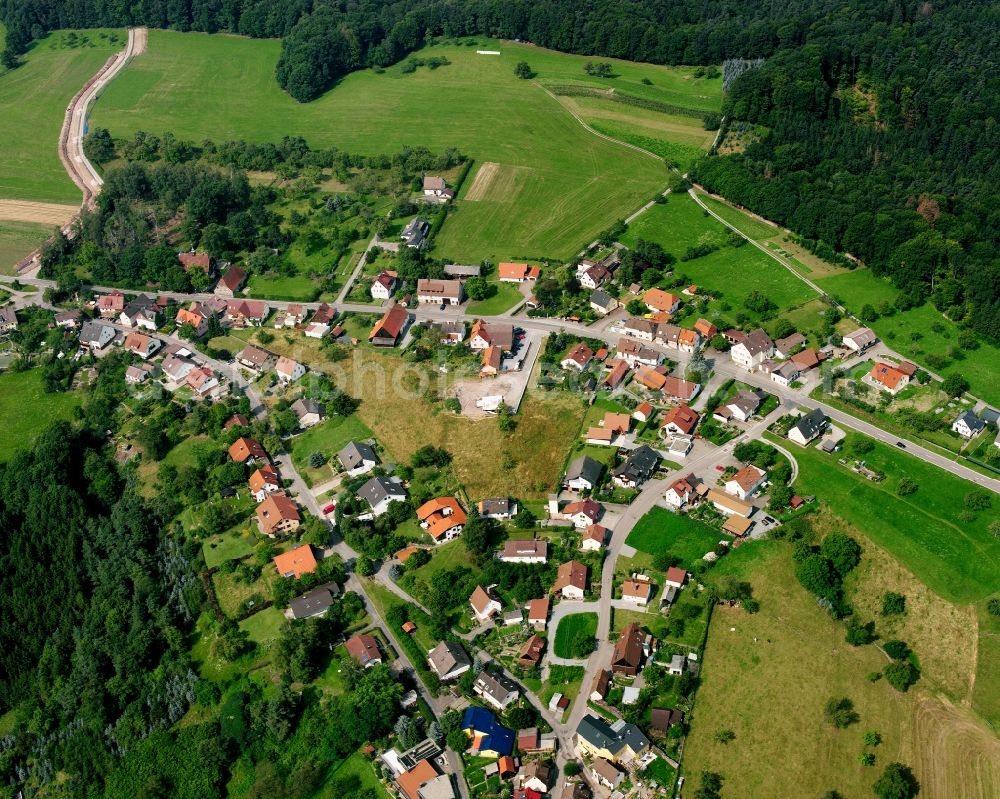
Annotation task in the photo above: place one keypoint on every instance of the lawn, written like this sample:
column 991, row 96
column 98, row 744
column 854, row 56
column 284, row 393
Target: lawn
column 19, row 239
column 291, row 287
column 557, row 184
column 27, row 410
column 264, row 627
column 956, row 557
column 569, row 628
column 226, row 546
column 661, row 530
column 788, row 660
column 675, row 225
column 233, row 592
column 355, row 768
column 34, row 98
column 329, row 437
column 507, row 296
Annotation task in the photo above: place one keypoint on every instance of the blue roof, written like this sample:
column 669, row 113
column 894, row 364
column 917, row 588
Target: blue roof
column 495, row 737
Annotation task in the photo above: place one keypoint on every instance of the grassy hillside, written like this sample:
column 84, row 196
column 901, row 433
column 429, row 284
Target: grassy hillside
column 34, row 98
column 555, row 184
column 27, row 410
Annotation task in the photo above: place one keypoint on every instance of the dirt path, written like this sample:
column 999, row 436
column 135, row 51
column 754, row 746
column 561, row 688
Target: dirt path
column 41, row 213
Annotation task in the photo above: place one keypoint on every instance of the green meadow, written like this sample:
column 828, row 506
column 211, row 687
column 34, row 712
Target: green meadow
column 18, row 239
column 554, row 186
column 34, row 98
column 27, row 410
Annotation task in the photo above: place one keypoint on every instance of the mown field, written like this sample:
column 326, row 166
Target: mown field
column 767, row 677
column 26, row 410
column 18, row 239
column 34, row 98
column 565, row 183
column 576, row 624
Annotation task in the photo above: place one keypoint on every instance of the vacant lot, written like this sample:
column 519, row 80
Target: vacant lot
column 27, row 410
column 569, row 182
column 954, row 555
column 34, row 98
column 660, row 530
column 789, row 659
column 570, row 627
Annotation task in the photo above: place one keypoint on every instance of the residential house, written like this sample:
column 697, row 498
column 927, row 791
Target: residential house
column 537, row 776
column 485, row 603
column 313, row 603
column 782, row 373
column 68, row 319
column 135, row 310
column 176, row 368
column 634, row 353
column 435, row 186
column 496, row 689
column 451, row 332
column 688, row 340
column 612, row 425
column 202, row 381
column 142, row 345
column 308, row 412
column 677, row 665
column 579, row 357
column 660, row 300
column 705, row 328
column 390, row 327
column 752, row 349
column 96, row 336
column 629, row 652
column 746, row 481
column 968, row 425
column 421, row 777
column 808, row 427
column 652, row 378
column 637, row 468
column 486, row 334
column 525, row 550
column 244, row 450
column 517, row 273
column 293, row 316
column 668, row 335
column 254, row 359
column 637, row 327
column 278, row 514
column 380, row 492
column 742, row 406
column 111, row 305
column 681, row 493
column 582, row 513
column 415, row 232
column 785, row 347
column 490, row 363
column 500, row 508
column 593, row 538
column 538, row 613
column 807, row 359
column 296, row 562
column 357, row 458
column 860, row 340
column 488, row 737
column 680, row 420
column 676, row 578
column 619, row 742
column 448, row 660
column 231, row 282
column 606, row 773
column 136, row 374
column 594, row 277
column 288, row 370
column 246, row 313
column 600, row 686
column 364, row 649
column 602, row 303
column 443, row 518
column 677, row 389
column 324, row 315
column 264, row 481
column 530, row 653
column 729, row 505
column 583, row 474
column 571, row 580
column 196, row 261
column 196, row 315
column 440, row 292
column 887, row 378
column 637, row 591
column 614, row 377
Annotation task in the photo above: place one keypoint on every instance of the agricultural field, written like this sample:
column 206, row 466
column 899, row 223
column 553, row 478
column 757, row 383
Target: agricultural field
column 790, row 658
column 19, row 239
column 34, row 97
column 661, row 530
column 555, row 185
column 932, row 532
column 20, row 391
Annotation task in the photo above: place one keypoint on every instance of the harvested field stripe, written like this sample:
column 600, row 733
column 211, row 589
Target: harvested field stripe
column 40, row 213
column 482, row 182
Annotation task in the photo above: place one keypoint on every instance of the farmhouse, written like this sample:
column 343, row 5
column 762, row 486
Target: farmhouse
column 496, row 689
column 388, row 329
column 635, row 354
column 583, row 474
column 679, row 420
column 746, row 481
column 486, row 334
column 517, row 273
column 968, row 424
column 278, row 514
column 660, row 300
column 620, row 742
column 383, row 286
column 380, row 492
column 752, row 349
column 415, row 232
column 571, row 580
column 485, row 603
column 448, row 660
column 500, row 508
column 637, row 468
column 324, row 314
column 579, row 357
column 230, row 282
column 440, row 292
column 640, row 328
column 525, row 551
column 808, row 427
column 860, row 340
column 443, row 518
column 364, row 649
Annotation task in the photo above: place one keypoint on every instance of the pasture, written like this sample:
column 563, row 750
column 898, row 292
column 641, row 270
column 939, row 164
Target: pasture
column 559, row 183
column 21, row 391
column 928, row 531
column 34, row 98
column 789, row 659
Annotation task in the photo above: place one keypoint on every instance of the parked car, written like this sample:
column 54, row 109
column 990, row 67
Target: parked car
column 330, row 508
